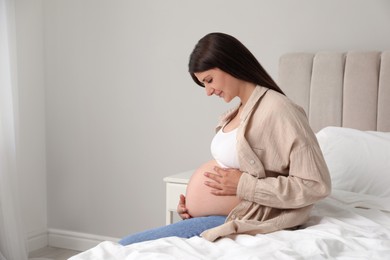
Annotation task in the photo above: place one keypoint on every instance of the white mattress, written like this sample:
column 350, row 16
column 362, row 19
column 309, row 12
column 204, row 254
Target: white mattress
column 345, row 225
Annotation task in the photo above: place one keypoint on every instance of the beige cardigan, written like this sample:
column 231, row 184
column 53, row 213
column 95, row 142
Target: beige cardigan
column 284, row 171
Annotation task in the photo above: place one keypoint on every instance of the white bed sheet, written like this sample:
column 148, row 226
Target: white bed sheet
column 345, row 225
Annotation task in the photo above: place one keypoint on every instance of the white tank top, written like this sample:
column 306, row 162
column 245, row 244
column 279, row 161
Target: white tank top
column 223, row 149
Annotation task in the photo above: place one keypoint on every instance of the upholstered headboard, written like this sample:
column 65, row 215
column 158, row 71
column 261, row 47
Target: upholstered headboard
column 340, row 89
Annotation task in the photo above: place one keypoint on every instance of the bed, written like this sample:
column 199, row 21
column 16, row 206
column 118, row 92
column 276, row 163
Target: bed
column 347, row 99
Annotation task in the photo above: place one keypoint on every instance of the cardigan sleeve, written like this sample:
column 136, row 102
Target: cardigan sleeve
column 308, row 181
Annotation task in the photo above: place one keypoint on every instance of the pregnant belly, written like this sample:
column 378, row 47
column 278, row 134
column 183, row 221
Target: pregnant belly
column 200, row 201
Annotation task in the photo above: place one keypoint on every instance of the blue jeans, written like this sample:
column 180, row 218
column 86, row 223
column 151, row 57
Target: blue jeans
column 184, row 228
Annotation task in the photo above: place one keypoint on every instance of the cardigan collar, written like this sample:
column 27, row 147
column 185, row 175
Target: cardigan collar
column 257, row 93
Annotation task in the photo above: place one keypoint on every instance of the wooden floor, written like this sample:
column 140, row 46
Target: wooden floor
column 52, row 253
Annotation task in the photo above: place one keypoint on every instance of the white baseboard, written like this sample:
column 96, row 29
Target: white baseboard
column 75, row 240
column 37, row 240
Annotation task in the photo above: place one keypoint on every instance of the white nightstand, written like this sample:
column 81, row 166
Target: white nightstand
column 175, row 185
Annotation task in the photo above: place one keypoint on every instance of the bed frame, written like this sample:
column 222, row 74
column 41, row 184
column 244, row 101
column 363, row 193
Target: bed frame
column 340, row 89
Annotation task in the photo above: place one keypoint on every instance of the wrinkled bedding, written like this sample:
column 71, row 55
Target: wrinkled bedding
column 345, row 225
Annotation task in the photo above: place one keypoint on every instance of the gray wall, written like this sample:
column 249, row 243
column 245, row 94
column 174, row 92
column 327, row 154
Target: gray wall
column 32, row 133
column 121, row 109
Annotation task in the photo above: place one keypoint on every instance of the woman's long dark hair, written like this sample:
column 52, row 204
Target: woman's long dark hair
column 219, row 50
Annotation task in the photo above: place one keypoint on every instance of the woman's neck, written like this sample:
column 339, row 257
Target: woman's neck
column 245, row 93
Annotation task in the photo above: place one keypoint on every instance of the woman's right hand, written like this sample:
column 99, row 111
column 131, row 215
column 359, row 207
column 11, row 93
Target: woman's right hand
column 181, row 208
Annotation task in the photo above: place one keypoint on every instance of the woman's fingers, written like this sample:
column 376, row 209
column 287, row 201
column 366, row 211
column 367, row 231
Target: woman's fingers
column 223, row 181
column 213, row 176
column 182, row 200
column 181, row 208
column 214, row 185
column 185, row 216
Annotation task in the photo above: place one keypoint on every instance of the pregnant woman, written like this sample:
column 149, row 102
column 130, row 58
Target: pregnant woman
column 267, row 170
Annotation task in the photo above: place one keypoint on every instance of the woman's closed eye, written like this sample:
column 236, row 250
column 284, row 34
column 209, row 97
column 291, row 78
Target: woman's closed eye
column 208, row 80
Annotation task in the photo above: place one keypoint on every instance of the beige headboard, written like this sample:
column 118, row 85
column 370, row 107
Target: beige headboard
column 340, row 89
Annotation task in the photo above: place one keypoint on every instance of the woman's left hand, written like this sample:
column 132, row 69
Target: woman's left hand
column 224, row 181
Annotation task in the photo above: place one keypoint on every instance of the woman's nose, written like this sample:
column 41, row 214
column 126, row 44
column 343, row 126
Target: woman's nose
column 209, row 91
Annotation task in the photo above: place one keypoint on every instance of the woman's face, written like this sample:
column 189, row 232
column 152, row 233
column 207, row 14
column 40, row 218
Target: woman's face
column 220, row 83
